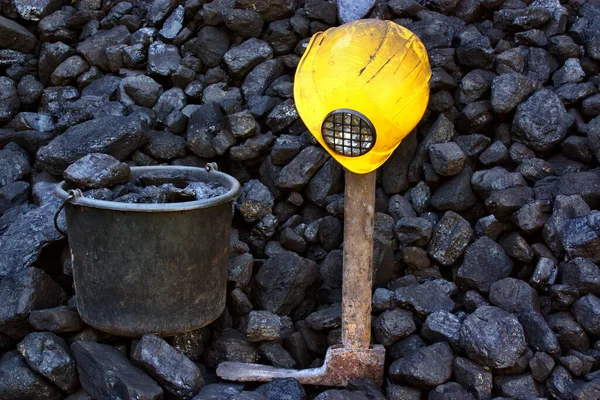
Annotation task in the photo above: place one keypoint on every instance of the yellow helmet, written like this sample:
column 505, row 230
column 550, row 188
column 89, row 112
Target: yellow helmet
column 360, row 88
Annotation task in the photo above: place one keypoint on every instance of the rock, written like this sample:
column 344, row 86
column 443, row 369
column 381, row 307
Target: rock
column 455, row 194
column 473, row 377
column 140, row 89
column 104, row 87
column 586, row 311
column 352, row 10
column 68, row 71
column 485, row 262
column 59, row 319
column 441, row 131
column 493, row 337
column 395, row 169
column 401, row 392
column 165, row 145
column 537, row 332
column 301, row 169
column 330, row 233
column 442, row 326
column 163, row 59
column 517, row 386
column 569, row 333
column 450, row 390
column 447, row 158
column 16, row 37
column 255, row 202
column 450, row 237
column 582, row 274
column 282, row 116
column 48, row 355
column 393, row 325
column 246, row 23
column 424, row 299
column 177, row 373
column 29, row 90
column 93, row 48
column 18, row 382
column 541, row 365
column 474, row 49
column 14, row 164
column 230, row 346
column 106, row 374
column 24, row 291
column 116, row 136
column 541, row 122
column 173, row 24
column 9, row 100
column 426, row 367
column 97, row 170
column 514, row 295
column 12, row 195
column 158, row 10
column 204, row 123
column 261, row 76
column 281, row 282
column 211, row 46
column 413, row 231
column 286, row 388
column 264, row 325
column 191, row 344
column 241, row 59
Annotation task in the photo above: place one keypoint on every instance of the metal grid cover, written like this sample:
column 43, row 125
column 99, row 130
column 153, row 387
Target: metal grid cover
column 348, row 132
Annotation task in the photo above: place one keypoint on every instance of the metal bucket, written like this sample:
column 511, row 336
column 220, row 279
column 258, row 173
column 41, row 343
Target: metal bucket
column 151, row 268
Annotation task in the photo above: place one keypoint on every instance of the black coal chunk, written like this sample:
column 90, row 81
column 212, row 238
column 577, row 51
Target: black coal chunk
column 393, row 325
column 485, row 262
column 18, row 382
column 424, row 299
column 288, row 388
column 48, row 355
column 425, row 367
column 493, row 337
column 473, row 377
column 105, row 373
column 177, row 373
column 450, row 238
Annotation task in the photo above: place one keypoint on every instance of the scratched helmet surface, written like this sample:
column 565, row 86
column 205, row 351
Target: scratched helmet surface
column 360, row 88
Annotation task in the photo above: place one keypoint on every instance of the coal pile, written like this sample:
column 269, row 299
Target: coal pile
column 487, row 245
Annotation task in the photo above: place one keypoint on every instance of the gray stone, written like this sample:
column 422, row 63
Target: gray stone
column 140, row 89
column 442, row 326
column 281, row 282
column 18, row 382
column 301, row 169
column 174, row 371
column 230, row 346
column 9, row 99
column 485, row 262
column 450, row 238
column 287, row 388
column 59, row 319
column 163, row 59
column 424, row 299
column 16, row 37
column 241, row 59
column 493, row 337
column 351, row 10
column 14, row 164
column 264, row 325
column 255, row 202
column 424, row 368
column 393, row 325
column 473, row 377
column 12, row 195
column 97, row 170
column 517, row 386
column 542, row 121
column 586, row 311
column 116, row 136
column 106, row 374
column 93, row 48
column 514, row 295
column 48, row 355
column 22, row 292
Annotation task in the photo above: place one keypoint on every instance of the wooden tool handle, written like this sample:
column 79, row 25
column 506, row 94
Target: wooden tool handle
column 359, row 211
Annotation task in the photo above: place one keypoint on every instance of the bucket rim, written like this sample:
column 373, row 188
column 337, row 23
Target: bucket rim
column 232, row 184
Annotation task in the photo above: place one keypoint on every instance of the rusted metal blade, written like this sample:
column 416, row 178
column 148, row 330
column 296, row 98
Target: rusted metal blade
column 341, row 366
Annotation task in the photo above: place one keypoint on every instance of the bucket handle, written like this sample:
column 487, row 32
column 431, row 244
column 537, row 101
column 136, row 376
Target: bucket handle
column 73, row 194
column 211, row 167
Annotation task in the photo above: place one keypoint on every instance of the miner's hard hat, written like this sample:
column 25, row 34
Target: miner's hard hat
column 360, row 88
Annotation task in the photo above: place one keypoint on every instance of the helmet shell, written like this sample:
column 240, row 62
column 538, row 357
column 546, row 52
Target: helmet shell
column 376, row 68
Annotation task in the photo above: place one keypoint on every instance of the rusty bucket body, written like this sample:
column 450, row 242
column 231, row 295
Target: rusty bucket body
column 151, row 268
